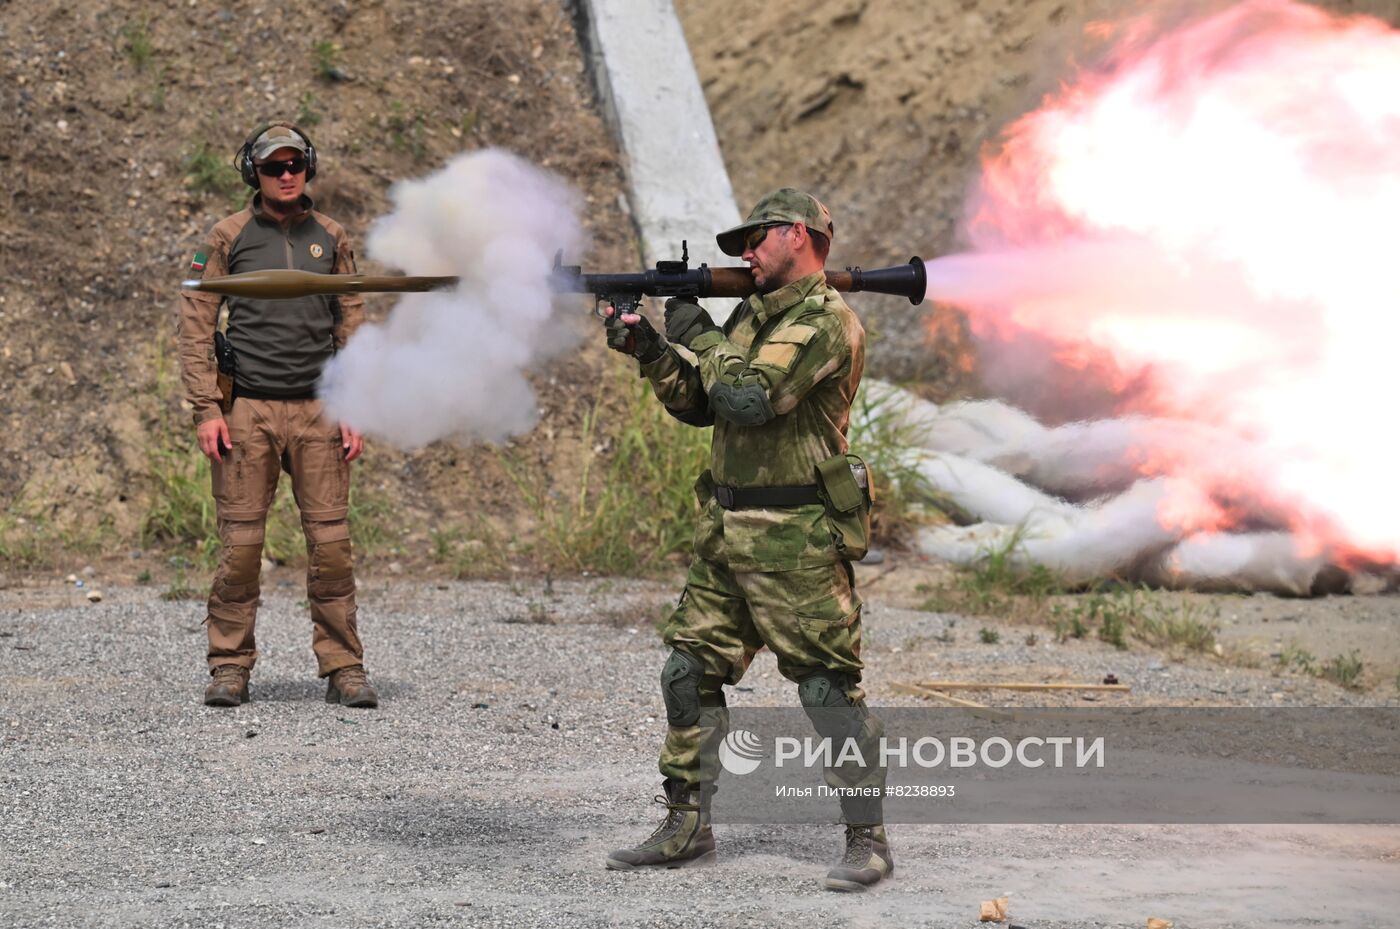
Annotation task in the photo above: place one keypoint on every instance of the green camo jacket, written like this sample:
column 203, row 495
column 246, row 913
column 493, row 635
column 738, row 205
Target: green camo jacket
column 806, row 348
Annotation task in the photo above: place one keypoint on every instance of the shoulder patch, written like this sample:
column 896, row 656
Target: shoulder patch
column 201, row 256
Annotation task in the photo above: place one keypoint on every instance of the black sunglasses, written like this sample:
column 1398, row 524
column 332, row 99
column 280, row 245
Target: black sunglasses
column 278, row 168
column 755, row 238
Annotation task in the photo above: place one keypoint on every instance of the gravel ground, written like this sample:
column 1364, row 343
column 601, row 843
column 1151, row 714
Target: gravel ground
column 516, row 746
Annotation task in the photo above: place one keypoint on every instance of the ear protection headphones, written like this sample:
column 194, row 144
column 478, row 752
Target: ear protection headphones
column 243, row 160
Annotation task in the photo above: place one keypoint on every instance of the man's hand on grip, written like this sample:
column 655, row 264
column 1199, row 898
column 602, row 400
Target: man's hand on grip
column 685, row 320
column 632, row 334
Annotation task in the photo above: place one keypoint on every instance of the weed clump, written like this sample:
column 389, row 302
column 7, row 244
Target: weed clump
column 209, row 172
column 325, row 55
column 137, row 43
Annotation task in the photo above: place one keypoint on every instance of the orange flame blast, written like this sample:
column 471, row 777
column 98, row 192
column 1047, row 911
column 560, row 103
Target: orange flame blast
column 1204, row 225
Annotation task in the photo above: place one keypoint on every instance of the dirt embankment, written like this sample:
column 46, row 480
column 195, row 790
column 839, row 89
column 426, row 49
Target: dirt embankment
column 119, row 121
column 882, row 107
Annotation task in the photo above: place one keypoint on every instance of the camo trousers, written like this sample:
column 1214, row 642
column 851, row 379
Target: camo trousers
column 268, row 437
column 809, row 618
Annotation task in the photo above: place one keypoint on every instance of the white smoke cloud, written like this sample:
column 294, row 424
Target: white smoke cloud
column 453, row 364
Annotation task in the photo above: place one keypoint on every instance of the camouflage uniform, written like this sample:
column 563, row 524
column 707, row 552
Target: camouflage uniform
column 767, row 575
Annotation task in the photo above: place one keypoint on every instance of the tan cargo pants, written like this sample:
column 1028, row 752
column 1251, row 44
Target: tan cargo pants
column 268, row 437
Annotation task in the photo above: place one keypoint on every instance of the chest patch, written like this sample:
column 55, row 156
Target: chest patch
column 782, row 347
column 778, row 355
column 316, row 250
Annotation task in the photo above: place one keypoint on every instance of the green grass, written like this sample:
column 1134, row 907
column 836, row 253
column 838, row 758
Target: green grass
column 208, row 171
column 997, row 585
column 1343, row 670
column 1296, row 658
column 35, row 536
column 1187, row 628
column 307, row 113
column 469, row 553
column 325, row 54
column 26, row 542
column 988, row 636
column 407, row 130
column 181, row 588
column 632, row 504
column 137, row 44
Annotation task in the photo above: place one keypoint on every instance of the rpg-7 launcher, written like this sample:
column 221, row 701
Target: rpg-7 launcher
column 678, row 279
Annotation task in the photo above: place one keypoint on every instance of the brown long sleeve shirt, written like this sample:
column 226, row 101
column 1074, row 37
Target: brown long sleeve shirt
column 280, row 346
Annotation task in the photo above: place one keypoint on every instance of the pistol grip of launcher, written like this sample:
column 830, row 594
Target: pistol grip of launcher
column 621, row 303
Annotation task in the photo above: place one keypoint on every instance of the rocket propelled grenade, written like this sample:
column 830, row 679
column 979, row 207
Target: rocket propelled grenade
column 285, row 285
column 625, row 290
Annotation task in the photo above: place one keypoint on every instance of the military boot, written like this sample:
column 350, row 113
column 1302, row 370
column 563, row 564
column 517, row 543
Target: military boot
column 683, row 838
column 351, row 687
column 229, row 686
column 867, row 861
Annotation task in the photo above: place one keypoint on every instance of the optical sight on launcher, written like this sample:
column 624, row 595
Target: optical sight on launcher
column 624, row 291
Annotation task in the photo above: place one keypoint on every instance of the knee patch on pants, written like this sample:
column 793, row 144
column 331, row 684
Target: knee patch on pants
column 330, row 563
column 686, row 689
column 244, row 565
column 242, row 555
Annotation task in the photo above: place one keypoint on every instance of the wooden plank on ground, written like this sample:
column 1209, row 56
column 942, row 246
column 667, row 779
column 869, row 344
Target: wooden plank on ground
column 980, row 710
column 1021, row 685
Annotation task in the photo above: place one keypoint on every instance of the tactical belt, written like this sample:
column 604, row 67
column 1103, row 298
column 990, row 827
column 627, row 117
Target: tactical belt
column 739, row 498
column 240, row 391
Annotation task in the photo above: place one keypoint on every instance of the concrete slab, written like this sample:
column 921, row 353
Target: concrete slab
column 678, row 185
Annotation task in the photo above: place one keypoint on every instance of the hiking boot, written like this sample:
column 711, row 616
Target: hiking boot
column 229, row 686
column 683, row 839
column 351, row 687
column 867, row 861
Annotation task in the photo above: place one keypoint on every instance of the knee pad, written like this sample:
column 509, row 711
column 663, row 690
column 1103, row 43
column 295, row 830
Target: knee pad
column 832, row 713
column 823, row 689
column 680, row 688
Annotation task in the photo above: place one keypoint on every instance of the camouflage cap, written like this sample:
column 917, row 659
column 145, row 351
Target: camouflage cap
column 274, row 138
column 784, row 205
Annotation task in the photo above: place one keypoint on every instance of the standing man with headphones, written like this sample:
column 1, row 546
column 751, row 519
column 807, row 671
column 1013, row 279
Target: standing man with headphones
column 270, row 356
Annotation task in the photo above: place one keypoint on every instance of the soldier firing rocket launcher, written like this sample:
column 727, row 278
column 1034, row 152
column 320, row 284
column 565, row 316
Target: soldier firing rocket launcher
column 624, row 291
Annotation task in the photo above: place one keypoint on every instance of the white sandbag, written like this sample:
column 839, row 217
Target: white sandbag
column 984, row 492
column 994, row 465
column 1276, row 562
column 1089, row 459
column 981, row 428
column 1079, row 545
